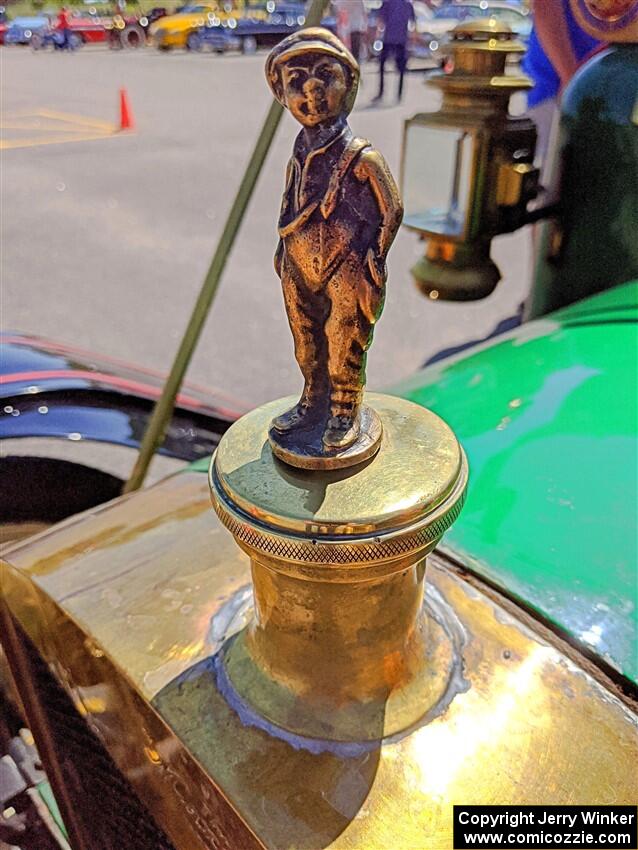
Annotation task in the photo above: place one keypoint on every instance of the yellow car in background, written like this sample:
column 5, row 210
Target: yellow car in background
column 173, row 30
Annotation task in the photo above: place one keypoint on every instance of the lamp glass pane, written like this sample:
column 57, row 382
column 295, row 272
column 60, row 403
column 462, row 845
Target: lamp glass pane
column 437, row 172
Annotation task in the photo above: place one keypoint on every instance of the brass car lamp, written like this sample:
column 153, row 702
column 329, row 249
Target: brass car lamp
column 467, row 169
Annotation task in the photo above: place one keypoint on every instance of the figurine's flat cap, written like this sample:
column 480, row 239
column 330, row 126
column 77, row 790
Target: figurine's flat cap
column 303, row 42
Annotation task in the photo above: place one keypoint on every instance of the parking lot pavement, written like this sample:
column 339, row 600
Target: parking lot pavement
column 106, row 239
column 25, row 128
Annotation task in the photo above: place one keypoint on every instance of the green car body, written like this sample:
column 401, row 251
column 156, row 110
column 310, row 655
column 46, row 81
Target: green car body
column 548, row 417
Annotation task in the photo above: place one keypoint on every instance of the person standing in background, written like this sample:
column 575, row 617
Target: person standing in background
column 557, row 47
column 396, row 16
column 352, row 24
column 358, row 27
column 62, row 26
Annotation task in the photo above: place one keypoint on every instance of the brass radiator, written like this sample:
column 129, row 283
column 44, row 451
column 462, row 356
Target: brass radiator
column 100, row 808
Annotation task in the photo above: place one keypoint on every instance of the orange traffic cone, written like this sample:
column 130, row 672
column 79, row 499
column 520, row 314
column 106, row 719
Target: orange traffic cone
column 126, row 115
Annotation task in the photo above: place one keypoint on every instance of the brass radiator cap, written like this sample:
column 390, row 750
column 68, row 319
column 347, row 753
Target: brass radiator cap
column 340, row 646
column 400, row 502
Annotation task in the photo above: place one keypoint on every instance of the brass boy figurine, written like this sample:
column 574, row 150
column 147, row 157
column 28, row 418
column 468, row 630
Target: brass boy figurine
column 339, row 216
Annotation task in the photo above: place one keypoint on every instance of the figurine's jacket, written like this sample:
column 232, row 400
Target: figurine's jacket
column 328, row 214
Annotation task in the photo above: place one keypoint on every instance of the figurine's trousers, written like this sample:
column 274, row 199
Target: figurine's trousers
column 332, row 323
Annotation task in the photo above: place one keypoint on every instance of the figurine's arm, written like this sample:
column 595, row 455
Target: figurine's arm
column 372, row 167
column 284, row 203
column 278, row 257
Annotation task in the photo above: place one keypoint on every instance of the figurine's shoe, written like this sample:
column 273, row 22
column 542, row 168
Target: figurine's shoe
column 341, row 432
column 291, row 418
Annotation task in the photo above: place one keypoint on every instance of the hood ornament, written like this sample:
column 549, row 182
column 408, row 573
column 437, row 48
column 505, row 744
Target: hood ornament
column 339, row 215
column 341, row 646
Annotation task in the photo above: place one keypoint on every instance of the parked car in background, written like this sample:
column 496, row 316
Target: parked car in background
column 90, row 29
column 131, row 31
column 252, row 32
column 21, row 29
column 438, row 23
column 87, row 28
column 173, row 30
column 4, row 23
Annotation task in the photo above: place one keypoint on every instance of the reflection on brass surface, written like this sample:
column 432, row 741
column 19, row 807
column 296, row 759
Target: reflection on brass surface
column 138, row 600
column 527, row 727
column 339, row 216
column 111, row 556
column 418, row 466
column 365, row 690
column 511, row 182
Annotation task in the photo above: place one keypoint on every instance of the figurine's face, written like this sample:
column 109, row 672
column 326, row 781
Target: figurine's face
column 315, row 89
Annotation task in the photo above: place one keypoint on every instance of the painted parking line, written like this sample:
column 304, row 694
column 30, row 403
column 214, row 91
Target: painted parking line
column 78, row 120
column 51, row 140
column 36, row 125
column 51, row 127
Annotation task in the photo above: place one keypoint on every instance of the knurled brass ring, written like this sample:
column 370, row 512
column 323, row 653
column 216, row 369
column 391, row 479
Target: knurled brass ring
column 326, row 554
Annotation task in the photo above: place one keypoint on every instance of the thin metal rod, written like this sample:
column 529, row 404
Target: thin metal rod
column 163, row 410
column 155, row 430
